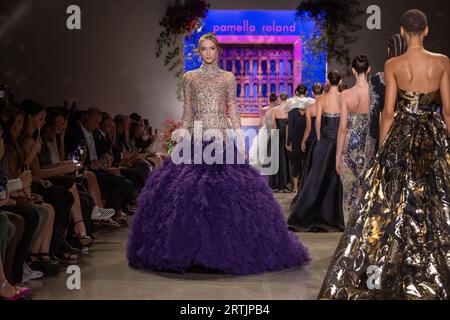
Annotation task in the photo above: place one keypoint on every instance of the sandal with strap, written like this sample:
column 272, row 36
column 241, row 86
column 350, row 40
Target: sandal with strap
column 48, row 266
column 122, row 219
column 66, row 255
column 20, row 292
column 122, row 222
column 85, row 240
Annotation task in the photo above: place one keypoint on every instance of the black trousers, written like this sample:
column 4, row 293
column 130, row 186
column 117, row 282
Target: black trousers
column 117, row 189
column 31, row 218
column 134, row 176
column 137, row 174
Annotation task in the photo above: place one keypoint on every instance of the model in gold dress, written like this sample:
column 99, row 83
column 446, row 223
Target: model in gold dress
column 397, row 245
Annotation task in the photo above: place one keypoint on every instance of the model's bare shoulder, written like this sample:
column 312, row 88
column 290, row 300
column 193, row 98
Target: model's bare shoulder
column 309, row 109
column 319, row 99
column 346, row 93
column 392, row 63
column 442, row 59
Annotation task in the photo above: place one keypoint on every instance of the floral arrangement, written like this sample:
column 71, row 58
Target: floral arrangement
column 336, row 23
column 169, row 127
column 181, row 19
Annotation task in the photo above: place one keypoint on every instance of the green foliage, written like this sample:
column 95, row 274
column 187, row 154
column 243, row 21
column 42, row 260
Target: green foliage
column 336, row 23
column 181, row 19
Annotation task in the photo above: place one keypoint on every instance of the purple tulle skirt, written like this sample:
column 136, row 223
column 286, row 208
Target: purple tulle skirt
column 220, row 217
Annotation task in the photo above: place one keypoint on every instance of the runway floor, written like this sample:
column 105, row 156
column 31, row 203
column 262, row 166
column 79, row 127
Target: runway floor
column 106, row 275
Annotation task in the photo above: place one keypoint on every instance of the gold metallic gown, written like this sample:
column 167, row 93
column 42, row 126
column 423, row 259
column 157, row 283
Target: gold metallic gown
column 396, row 246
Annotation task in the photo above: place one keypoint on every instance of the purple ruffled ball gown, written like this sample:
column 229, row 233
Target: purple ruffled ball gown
column 221, row 216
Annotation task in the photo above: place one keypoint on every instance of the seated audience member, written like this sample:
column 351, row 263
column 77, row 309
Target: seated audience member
column 116, row 187
column 38, row 217
column 7, row 231
column 138, row 143
column 134, row 169
column 8, row 249
column 58, row 198
column 62, row 176
column 50, row 157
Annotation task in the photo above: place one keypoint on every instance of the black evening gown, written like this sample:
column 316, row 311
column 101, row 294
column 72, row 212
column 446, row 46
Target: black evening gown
column 318, row 206
column 282, row 179
column 310, row 144
column 296, row 125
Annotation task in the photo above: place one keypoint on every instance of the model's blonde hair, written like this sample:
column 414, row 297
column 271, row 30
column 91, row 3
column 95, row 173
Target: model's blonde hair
column 209, row 36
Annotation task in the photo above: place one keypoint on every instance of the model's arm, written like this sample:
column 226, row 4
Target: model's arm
column 307, row 131
column 318, row 118
column 187, row 118
column 342, row 132
column 445, row 93
column 387, row 117
column 289, row 129
column 261, row 118
column 233, row 112
column 273, row 115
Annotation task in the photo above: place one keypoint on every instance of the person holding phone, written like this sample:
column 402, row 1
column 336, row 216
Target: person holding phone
column 116, row 187
column 50, row 157
column 65, row 199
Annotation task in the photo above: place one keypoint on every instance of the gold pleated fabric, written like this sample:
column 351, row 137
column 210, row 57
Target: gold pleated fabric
column 396, row 245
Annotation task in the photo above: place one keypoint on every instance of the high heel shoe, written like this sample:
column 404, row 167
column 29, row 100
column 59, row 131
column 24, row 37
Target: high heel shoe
column 122, row 219
column 66, row 255
column 42, row 262
column 20, row 294
column 85, row 240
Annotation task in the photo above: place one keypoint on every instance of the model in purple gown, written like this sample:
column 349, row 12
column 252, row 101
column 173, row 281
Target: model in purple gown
column 214, row 216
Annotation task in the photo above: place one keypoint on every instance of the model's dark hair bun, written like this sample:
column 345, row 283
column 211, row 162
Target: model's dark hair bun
column 334, row 77
column 361, row 63
column 414, row 21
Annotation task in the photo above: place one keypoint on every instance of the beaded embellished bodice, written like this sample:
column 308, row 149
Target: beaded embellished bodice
column 210, row 97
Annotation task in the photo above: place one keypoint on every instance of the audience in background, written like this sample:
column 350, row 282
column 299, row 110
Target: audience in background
column 63, row 174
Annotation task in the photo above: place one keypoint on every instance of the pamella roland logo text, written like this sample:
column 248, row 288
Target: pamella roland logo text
column 246, row 26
